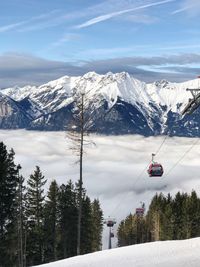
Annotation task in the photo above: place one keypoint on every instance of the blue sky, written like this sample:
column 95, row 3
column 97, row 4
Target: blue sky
column 151, row 39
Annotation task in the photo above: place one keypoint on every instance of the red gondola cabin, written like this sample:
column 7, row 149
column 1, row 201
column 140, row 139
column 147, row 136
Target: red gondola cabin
column 155, row 170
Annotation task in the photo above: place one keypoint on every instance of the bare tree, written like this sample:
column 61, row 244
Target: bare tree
column 78, row 134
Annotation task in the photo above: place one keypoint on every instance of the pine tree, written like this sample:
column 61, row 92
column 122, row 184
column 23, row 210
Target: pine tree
column 194, row 214
column 67, row 221
column 180, row 216
column 35, row 214
column 141, row 230
column 166, row 224
column 8, row 191
column 121, row 234
column 20, row 220
column 127, row 231
column 97, row 225
column 86, row 226
column 51, row 223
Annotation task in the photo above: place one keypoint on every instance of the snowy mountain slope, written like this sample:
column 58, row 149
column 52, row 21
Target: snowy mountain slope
column 156, row 254
column 145, row 108
column 19, row 93
column 171, row 94
column 12, row 115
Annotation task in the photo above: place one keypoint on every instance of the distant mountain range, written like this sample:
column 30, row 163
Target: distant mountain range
column 123, row 104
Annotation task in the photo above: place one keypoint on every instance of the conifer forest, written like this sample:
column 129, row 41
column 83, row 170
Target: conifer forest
column 38, row 227
column 168, row 218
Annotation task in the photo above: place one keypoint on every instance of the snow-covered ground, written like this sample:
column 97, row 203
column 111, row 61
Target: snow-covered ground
column 182, row 253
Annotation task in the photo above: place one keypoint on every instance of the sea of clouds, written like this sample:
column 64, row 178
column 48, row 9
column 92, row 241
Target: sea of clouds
column 114, row 170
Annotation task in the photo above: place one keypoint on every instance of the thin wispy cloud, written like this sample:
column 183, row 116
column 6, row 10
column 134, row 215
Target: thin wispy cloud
column 23, row 23
column 180, row 10
column 65, row 39
column 48, row 23
column 141, row 19
column 115, row 14
column 192, row 7
column 13, row 26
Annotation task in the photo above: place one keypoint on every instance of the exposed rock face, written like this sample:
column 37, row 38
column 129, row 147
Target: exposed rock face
column 12, row 115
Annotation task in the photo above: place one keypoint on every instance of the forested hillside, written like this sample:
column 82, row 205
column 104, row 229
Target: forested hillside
column 168, row 218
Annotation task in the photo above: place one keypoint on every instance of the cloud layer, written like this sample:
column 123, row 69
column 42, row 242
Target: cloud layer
column 22, row 69
column 114, row 170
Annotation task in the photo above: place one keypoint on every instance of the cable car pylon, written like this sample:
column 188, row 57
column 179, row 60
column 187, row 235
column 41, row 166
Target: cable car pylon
column 194, row 102
column 110, row 222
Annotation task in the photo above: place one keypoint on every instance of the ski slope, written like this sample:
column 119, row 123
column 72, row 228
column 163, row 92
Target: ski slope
column 181, row 253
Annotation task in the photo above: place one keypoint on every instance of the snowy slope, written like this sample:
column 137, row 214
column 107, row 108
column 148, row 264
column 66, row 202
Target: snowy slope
column 157, row 254
column 168, row 94
column 19, row 93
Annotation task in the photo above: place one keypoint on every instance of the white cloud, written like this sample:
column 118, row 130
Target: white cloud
column 118, row 13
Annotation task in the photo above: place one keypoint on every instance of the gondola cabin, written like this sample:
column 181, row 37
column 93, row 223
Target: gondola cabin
column 139, row 211
column 155, row 170
column 110, row 223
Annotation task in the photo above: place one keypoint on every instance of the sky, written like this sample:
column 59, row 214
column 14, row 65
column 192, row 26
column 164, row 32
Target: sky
column 114, row 170
column 44, row 40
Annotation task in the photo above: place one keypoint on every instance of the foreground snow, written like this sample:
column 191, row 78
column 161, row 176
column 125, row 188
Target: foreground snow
column 157, row 254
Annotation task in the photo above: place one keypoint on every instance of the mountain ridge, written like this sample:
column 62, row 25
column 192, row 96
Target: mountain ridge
column 147, row 109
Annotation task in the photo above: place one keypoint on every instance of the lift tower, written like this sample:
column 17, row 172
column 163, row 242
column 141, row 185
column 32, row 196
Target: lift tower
column 110, row 223
column 194, row 102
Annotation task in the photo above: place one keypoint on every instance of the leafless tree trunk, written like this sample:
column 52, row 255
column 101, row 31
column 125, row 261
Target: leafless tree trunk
column 77, row 136
column 20, row 221
column 81, row 176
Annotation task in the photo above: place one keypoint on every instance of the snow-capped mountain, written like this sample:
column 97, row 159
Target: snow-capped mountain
column 122, row 105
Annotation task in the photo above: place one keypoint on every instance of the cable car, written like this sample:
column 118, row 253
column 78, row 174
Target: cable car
column 110, row 222
column 155, row 169
column 139, row 211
